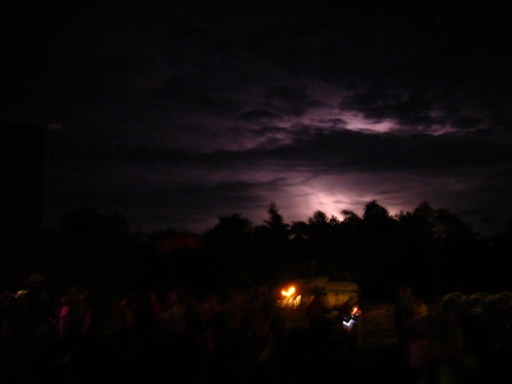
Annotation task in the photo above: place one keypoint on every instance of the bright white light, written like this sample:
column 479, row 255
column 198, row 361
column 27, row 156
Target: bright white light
column 348, row 324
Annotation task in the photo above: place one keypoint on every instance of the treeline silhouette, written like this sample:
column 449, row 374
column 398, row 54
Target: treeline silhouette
column 432, row 250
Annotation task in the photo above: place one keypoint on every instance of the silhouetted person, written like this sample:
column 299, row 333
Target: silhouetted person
column 144, row 316
column 345, row 309
column 404, row 316
column 315, row 312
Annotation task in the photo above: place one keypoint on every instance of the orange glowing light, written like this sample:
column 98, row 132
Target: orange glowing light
column 21, row 293
column 289, row 292
column 355, row 311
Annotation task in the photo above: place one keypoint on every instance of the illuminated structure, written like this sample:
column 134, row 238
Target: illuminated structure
column 339, row 301
column 334, row 293
column 290, row 298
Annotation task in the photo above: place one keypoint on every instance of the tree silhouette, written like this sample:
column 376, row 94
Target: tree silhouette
column 272, row 240
column 375, row 213
column 350, row 217
column 229, row 244
column 432, row 250
column 275, row 221
column 95, row 251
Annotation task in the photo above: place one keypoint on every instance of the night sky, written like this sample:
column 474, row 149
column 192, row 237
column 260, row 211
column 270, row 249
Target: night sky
column 178, row 114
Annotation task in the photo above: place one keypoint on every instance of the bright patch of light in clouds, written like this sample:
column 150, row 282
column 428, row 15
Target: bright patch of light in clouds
column 300, row 200
column 327, row 202
column 349, row 191
column 357, row 122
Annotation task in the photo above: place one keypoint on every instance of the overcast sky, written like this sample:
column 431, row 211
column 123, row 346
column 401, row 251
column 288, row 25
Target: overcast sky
column 176, row 115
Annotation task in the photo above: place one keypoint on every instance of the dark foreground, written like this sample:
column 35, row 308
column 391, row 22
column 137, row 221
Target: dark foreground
column 296, row 356
column 264, row 353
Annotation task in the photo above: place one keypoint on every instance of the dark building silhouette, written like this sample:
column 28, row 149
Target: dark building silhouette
column 21, row 200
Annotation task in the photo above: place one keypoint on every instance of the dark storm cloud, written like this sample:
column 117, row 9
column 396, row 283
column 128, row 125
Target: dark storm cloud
column 219, row 106
column 287, row 95
column 422, row 65
column 188, row 110
column 290, row 101
column 185, row 204
column 388, row 192
column 195, row 198
column 482, row 201
column 337, row 122
column 347, row 150
column 171, row 89
column 417, row 110
column 281, row 102
column 411, row 111
column 259, row 114
column 337, row 151
column 467, row 122
column 178, row 92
